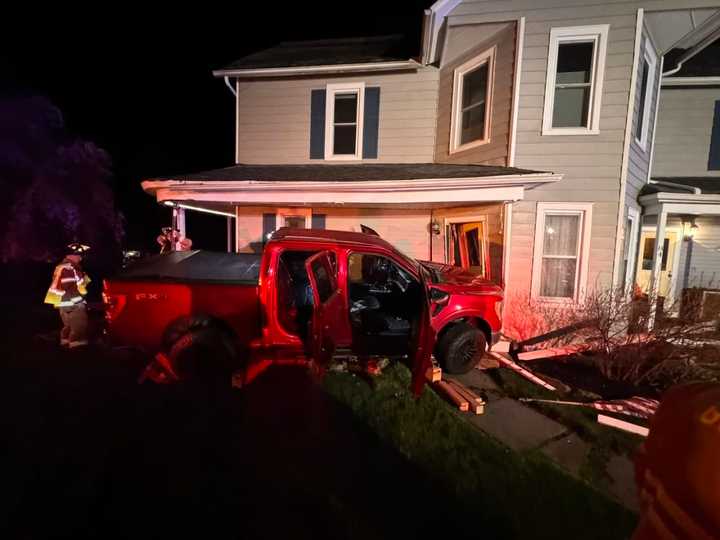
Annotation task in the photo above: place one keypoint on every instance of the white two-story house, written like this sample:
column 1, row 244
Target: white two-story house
column 515, row 143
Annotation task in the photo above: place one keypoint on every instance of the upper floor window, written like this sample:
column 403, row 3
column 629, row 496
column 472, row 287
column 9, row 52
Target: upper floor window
column 573, row 87
column 646, row 80
column 472, row 96
column 343, row 121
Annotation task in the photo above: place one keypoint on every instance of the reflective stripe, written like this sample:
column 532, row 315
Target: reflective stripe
column 78, row 343
column 76, row 299
column 64, row 304
column 67, row 280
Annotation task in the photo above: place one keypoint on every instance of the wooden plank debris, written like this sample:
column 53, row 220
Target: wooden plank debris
column 560, row 332
column 550, row 353
column 522, row 371
column 433, row 373
column 623, row 425
column 450, row 394
column 476, row 404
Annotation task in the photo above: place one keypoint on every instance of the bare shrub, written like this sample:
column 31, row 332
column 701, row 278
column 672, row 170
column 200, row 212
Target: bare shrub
column 621, row 337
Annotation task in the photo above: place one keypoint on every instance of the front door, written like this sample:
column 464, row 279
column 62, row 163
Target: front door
column 647, row 250
column 467, row 246
column 329, row 325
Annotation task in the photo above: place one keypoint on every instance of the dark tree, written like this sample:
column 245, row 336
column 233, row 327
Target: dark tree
column 55, row 187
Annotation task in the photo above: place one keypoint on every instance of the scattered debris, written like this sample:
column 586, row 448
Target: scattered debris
column 623, row 425
column 550, row 353
column 637, row 406
column 433, row 373
column 452, row 395
column 507, row 362
column 476, row 404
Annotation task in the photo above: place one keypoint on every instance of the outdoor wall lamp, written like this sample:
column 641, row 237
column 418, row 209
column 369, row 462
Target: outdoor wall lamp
column 435, row 226
column 690, row 228
column 169, row 203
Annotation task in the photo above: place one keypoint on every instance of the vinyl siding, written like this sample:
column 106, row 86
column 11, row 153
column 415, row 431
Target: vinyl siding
column 591, row 164
column 475, row 40
column 639, row 158
column 407, row 229
column 274, row 117
column 684, row 128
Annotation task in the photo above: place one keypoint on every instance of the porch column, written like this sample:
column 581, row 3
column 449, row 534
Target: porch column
column 229, row 234
column 657, row 262
column 178, row 222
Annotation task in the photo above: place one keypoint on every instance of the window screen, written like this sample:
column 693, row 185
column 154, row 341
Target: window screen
column 561, row 248
column 643, row 96
column 474, row 97
column 345, row 124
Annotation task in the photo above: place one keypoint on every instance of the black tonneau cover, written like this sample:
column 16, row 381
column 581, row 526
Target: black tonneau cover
column 241, row 268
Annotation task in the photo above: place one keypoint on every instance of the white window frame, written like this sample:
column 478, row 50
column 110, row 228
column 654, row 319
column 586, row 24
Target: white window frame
column 485, row 57
column 282, row 213
column 343, row 88
column 633, row 215
column 598, row 34
column 584, row 210
column 650, row 56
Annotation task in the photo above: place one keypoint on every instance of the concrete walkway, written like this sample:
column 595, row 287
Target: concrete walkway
column 522, row 428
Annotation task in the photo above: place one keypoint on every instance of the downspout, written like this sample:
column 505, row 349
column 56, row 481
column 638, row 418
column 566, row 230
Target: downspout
column 230, row 86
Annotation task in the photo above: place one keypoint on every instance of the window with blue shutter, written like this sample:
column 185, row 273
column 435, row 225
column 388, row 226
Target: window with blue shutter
column 714, row 156
column 318, row 221
column 371, row 122
column 317, row 124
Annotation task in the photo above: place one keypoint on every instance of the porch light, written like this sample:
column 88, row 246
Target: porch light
column 690, row 228
column 435, row 226
column 168, row 203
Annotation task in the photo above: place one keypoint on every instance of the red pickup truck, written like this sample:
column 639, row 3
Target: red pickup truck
column 310, row 295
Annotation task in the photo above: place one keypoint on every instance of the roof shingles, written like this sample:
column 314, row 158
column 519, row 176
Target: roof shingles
column 350, row 172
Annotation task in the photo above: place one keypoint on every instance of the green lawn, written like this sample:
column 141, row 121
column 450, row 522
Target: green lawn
column 507, row 494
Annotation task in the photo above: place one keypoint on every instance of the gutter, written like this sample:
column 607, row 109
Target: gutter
column 402, row 65
column 713, row 24
column 425, row 184
column 689, row 189
column 692, row 81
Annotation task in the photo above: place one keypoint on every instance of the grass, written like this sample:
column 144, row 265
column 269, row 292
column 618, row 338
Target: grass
column 582, row 420
column 511, row 494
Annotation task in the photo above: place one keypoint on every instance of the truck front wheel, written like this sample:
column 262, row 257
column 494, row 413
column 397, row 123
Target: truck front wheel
column 461, row 348
column 199, row 349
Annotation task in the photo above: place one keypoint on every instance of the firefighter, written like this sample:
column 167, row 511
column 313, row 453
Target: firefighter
column 677, row 469
column 67, row 293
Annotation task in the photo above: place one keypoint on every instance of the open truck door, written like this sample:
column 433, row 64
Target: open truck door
column 329, row 315
column 423, row 338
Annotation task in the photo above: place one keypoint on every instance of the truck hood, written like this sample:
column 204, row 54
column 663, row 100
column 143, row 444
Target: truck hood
column 458, row 277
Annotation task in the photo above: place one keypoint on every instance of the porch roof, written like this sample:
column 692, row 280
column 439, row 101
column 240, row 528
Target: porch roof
column 681, row 195
column 348, row 184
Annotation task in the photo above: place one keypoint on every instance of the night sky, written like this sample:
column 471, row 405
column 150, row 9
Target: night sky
column 140, row 86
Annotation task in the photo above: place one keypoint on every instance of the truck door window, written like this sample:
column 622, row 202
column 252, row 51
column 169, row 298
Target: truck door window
column 326, row 282
column 294, row 294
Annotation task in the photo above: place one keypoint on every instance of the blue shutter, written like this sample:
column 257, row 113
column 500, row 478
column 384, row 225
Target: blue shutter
column 714, row 157
column 269, row 221
column 318, row 221
column 317, row 124
column 371, row 122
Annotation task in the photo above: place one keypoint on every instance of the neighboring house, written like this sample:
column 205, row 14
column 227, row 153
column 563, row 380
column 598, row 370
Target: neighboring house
column 686, row 174
column 515, row 145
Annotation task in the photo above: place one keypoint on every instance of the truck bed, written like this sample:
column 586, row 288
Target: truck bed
column 151, row 293
column 194, row 266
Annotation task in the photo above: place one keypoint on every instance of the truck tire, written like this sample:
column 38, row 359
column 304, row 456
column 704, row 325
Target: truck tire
column 200, row 349
column 461, row 348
